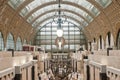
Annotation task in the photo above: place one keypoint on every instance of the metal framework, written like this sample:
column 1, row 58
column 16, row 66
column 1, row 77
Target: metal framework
column 46, row 36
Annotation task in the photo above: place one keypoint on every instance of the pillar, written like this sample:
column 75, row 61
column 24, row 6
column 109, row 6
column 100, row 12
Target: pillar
column 29, row 72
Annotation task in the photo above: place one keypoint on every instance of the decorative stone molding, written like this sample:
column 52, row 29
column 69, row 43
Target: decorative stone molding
column 7, row 71
column 98, row 65
column 113, row 70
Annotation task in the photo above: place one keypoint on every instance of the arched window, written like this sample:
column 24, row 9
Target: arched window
column 101, row 43
column 10, row 42
column 109, row 40
column 1, row 42
column 30, row 42
column 118, row 40
column 25, row 42
column 18, row 44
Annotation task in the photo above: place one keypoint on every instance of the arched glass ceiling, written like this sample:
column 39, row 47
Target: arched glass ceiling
column 37, row 3
column 52, row 13
column 50, row 20
column 15, row 3
column 71, row 18
column 39, row 12
column 42, row 18
column 87, row 5
column 33, row 5
column 54, row 4
column 77, row 17
column 104, row 3
column 63, row 6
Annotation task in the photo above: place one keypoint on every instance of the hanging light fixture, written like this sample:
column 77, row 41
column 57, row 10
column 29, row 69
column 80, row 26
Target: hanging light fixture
column 59, row 18
column 59, row 29
column 59, row 21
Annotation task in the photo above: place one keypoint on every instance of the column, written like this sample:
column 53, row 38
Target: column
column 29, row 73
column 24, row 74
column 97, row 73
column 91, row 72
column 36, row 71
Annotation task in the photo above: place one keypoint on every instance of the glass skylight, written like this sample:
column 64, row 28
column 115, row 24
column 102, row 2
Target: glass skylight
column 74, row 16
column 63, row 6
column 33, row 5
column 15, row 3
column 39, row 12
column 42, row 18
column 50, row 20
column 52, row 13
column 104, row 3
column 85, row 4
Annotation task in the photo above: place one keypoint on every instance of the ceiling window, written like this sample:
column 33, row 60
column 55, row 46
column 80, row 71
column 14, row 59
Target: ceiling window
column 104, row 3
column 15, row 3
column 10, row 42
column 18, row 44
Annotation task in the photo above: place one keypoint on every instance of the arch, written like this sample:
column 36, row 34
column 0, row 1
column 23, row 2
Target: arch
column 118, row 39
column 100, row 43
column 71, row 16
column 61, row 10
column 27, row 2
column 10, row 42
column 1, row 42
column 94, row 44
column 109, row 40
column 63, row 2
column 25, row 41
column 72, row 35
column 43, row 24
column 18, row 44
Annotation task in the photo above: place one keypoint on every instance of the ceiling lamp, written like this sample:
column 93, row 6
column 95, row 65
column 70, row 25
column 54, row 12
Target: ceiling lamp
column 59, row 21
column 59, row 32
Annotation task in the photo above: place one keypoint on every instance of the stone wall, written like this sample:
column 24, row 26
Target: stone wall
column 107, row 21
column 12, row 22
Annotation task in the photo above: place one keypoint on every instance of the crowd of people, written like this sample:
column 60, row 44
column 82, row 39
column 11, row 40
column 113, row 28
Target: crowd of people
column 48, row 75
column 75, row 76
